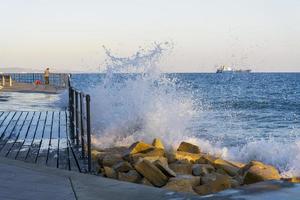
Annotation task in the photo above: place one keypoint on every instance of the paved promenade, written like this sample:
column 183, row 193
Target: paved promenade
column 22, row 181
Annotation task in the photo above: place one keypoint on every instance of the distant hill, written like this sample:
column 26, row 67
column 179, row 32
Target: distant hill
column 27, row 70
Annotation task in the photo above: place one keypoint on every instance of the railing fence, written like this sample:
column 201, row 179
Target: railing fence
column 80, row 122
column 55, row 79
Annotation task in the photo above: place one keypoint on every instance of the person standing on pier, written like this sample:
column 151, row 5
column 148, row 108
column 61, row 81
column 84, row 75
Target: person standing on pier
column 46, row 76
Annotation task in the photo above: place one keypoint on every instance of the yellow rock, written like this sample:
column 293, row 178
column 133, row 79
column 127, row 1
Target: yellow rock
column 226, row 166
column 257, row 171
column 151, row 173
column 110, row 173
column 292, row 179
column 131, row 176
column 218, row 183
column 202, row 169
column 181, row 168
column 123, row 166
column 157, row 143
column 111, row 159
column 164, row 168
column 188, row 147
column 183, row 183
column 140, row 147
column 190, row 157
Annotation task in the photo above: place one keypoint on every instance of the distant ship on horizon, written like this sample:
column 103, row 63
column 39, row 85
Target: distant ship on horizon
column 225, row 69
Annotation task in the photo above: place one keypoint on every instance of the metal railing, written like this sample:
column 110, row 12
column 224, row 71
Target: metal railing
column 80, row 122
column 55, row 79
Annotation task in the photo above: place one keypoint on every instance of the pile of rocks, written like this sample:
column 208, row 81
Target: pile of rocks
column 185, row 170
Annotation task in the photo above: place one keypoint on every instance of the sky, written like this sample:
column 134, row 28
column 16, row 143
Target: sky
column 263, row 35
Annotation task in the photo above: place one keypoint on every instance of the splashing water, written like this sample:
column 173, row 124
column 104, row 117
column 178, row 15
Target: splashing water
column 135, row 101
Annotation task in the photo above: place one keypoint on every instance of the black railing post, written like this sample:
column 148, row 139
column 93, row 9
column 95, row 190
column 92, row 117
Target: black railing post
column 88, row 132
column 82, row 127
column 76, row 118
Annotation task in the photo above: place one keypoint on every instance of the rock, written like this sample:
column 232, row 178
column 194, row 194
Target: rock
column 221, row 171
column 164, row 168
column 292, row 179
column 154, row 153
column 238, row 164
column 234, row 183
column 151, row 173
column 257, row 171
column 202, row 169
column 131, row 176
column 227, row 167
column 110, row 172
column 201, row 160
column 157, row 143
column 123, row 166
column 140, row 147
column 209, row 158
column 188, row 147
column 183, row 183
column 146, row 182
column 111, row 159
column 184, row 157
column 181, row 168
column 219, row 183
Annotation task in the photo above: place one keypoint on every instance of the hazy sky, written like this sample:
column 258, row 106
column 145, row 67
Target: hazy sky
column 62, row 34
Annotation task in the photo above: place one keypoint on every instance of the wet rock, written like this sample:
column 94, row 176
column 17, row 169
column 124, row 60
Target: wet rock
column 111, row 159
column 202, row 169
column 131, row 176
column 151, row 173
column 110, row 172
column 164, row 168
column 183, row 183
column 140, row 147
column 156, row 154
column 257, row 171
column 218, row 183
column 226, row 166
column 181, row 168
column 234, row 183
column 221, row 171
column 292, row 179
column 209, row 158
column 184, row 157
column 123, row 166
column 157, row 143
column 188, row 147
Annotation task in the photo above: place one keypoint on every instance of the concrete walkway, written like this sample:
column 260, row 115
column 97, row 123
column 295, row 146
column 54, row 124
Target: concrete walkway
column 24, row 181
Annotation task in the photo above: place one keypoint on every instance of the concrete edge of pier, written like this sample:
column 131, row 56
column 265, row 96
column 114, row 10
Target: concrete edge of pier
column 21, row 180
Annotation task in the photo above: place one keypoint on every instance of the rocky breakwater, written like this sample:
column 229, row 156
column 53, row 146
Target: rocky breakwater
column 186, row 169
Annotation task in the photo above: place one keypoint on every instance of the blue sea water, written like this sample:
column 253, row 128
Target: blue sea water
column 238, row 107
column 242, row 116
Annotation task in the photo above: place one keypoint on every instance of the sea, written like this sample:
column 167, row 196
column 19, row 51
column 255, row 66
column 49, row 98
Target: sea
column 238, row 116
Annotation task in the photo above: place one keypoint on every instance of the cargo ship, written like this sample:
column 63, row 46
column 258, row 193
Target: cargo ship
column 225, row 69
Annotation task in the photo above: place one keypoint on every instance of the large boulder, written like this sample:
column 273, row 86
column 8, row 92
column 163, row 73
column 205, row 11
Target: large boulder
column 111, row 159
column 226, row 166
column 123, row 166
column 164, row 168
column 140, row 147
column 131, row 176
column 151, row 173
column 218, row 183
column 157, row 143
column 257, row 171
column 154, row 153
column 202, row 169
column 181, row 168
column 188, row 147
column 110, row 172
column 183, row 183
column 183, row 157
